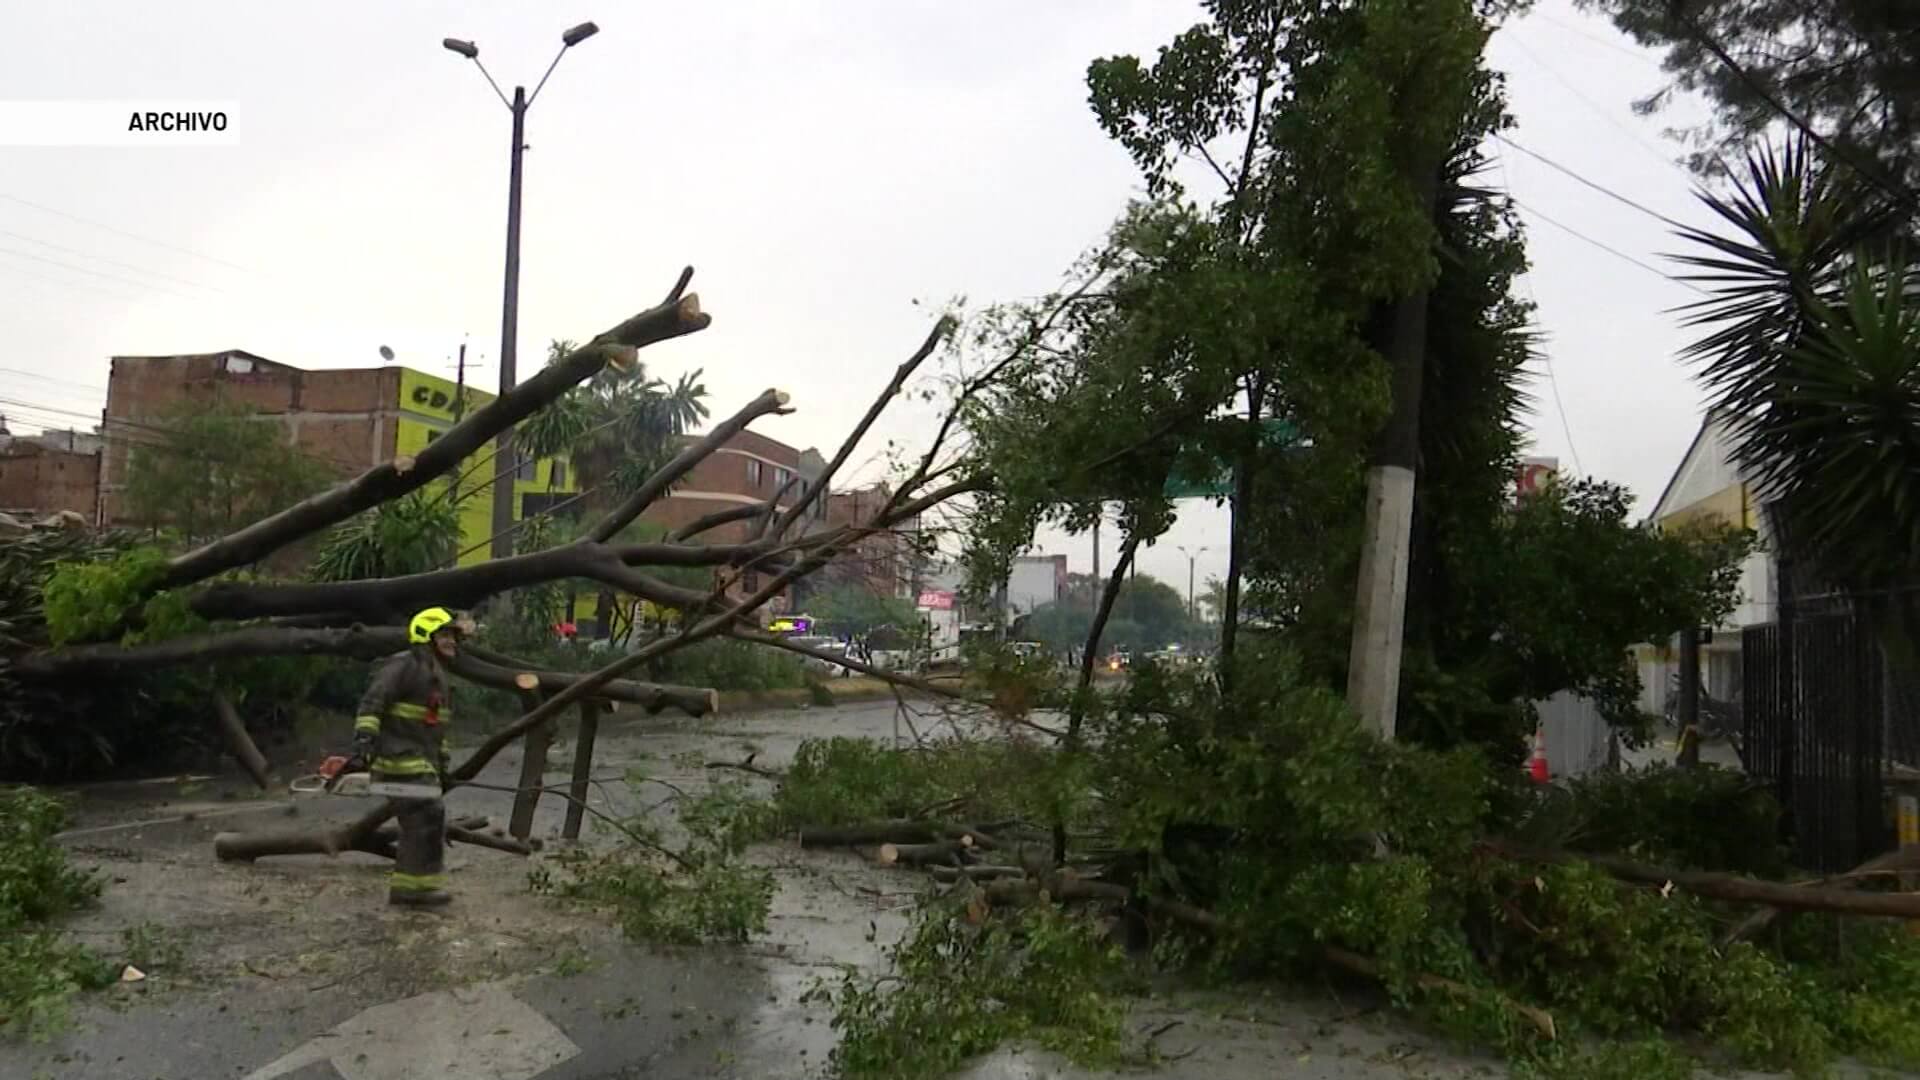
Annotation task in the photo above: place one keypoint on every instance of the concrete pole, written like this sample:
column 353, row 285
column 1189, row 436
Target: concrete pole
column 1398, row 331
column 504, row 454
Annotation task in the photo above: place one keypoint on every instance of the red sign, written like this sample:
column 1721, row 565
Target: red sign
column 1533, row 474
column 936, row 600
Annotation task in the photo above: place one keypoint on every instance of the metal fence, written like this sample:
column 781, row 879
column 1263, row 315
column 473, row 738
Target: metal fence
column 1829, row 733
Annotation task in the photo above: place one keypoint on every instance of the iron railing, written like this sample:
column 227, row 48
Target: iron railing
column 1829, row 734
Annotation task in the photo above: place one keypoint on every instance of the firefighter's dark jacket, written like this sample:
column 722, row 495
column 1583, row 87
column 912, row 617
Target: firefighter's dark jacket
column 407, row 709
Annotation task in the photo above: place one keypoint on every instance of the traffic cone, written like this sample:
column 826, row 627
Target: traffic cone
column 1537, row 768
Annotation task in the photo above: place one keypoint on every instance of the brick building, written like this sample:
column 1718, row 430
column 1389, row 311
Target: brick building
column 885, row 563
column 349, row 419
column 37, row 479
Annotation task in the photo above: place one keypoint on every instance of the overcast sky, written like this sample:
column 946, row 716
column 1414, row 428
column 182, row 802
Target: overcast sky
column 835, row 170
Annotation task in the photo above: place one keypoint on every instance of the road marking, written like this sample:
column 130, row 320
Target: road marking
column 476, row 1033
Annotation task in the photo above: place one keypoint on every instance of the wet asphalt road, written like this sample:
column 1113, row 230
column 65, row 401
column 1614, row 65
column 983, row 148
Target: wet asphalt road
column 295, row 968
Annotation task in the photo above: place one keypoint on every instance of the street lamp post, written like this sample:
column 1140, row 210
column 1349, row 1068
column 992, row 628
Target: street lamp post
column 506, row 471
column 1191, row 556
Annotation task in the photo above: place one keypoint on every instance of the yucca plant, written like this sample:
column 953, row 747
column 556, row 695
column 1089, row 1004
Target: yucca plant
column 1812, row 357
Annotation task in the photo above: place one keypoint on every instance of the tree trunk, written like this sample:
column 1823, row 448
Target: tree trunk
column 234, row 730
column 578, row 793
column 533, row 768
column 1399, row 332
column 1077, row 714
column 1241, row 505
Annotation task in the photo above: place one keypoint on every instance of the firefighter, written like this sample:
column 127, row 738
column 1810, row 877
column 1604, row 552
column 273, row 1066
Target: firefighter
column 401, row 734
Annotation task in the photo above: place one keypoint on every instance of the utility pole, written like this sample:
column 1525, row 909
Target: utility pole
column 1397, row 329
column 459, row 409
column 506, row 461
column 1096, row 547
column 1192, row 612
column 505, row 455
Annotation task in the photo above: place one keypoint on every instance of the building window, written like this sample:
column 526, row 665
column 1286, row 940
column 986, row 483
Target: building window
column 754, row 472
column 559, row 474
column 780, row 478
column 527, row 468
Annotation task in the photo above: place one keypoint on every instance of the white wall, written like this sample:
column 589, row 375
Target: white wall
column 1030, row 585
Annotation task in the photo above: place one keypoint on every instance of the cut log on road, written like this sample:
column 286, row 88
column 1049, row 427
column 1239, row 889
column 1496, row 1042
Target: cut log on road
column 1363, row 965
column 238, row 741
column 1066, row 889
column 875, row 832
column 487, row 840
column 942, row 852
column 353, row 836
column 982, row 872
column 1777, row 894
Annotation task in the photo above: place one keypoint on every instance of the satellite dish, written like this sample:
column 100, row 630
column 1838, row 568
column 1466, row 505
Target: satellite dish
column 386, row 353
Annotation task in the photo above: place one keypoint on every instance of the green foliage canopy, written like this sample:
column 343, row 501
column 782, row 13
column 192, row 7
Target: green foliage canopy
column 216, row 467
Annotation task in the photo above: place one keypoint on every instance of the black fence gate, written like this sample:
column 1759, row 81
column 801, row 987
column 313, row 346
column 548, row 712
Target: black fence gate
column 1831, row 736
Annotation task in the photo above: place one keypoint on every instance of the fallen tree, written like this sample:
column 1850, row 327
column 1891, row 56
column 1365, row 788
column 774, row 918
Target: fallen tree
column 250, row 619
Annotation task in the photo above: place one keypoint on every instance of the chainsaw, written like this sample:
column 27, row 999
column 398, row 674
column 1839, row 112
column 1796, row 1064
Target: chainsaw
column 343, row 775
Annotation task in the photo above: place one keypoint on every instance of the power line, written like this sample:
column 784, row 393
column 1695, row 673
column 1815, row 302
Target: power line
column 96, row 273
column 88, row 286
column 122, row 232
column 51, row 379
column 1648, row 267
column 1596, row 39
column 1546, row 357
column 1603, row 113
column 104, row 259
column 1608, row 192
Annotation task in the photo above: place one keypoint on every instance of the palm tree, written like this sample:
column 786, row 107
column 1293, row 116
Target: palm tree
column 617, row 429
column 1813, row 361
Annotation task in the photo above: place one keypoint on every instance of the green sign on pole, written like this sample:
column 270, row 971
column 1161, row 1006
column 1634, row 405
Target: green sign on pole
column 1216, row 479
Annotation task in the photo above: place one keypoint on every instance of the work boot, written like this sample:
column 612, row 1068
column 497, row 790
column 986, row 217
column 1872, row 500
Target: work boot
column 426, row 898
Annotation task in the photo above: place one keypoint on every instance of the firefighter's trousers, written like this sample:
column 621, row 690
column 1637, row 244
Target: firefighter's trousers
column 421, row 865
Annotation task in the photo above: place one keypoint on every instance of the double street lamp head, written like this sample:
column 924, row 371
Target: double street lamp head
column 569, row 39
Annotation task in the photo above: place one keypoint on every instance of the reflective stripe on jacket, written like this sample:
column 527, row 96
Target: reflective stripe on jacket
column 407, row 710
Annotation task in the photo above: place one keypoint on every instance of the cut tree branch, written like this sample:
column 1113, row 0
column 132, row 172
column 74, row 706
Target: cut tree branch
column 364, row 642
column 393, row 599
column 1777, row 894
column 770, row 401
column 679, row 315
column 234, row 730
column 901, row 374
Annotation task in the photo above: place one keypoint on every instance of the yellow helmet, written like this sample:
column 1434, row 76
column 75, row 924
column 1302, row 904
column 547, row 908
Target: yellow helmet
column 428, row 623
